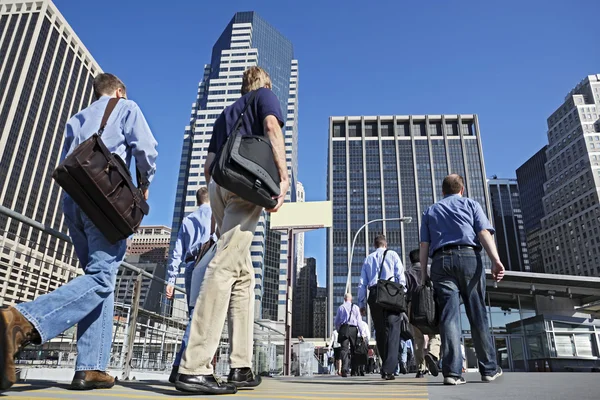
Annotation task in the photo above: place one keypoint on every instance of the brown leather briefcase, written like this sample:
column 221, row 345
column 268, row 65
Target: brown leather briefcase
column 101, row 185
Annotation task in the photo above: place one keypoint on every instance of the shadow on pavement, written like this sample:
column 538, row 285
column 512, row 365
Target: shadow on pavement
column 165, row 387
column 25, row 386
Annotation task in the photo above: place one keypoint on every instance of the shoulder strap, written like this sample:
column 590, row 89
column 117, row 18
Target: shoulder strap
column 381, row 266
column 239, row 120
column 109, row 109
column 350, row 313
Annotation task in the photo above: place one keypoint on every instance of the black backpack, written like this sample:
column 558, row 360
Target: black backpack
column 424, row 311
column 245, row 166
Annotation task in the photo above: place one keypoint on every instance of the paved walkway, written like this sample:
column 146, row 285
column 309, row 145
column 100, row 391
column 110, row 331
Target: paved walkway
column 519, row 386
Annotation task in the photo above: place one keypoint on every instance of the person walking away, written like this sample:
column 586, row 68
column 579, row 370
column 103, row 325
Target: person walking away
column 330, row 360
column 452, row 233
column 87, row 300
column 346, row 323
column 361, row 357
column 426, row 357
column 337, row 351
column 196, row 230
column 228, row 285
column 387, row 323
column 371, row 361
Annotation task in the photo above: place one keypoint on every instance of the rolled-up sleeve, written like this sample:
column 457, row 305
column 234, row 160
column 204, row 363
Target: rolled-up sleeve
column 362, row 285
column 425, row 237
column 480, row 221
column 142, row 143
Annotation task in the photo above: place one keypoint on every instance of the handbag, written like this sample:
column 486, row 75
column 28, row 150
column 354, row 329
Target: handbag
column 246, row 167
column 424, row 311
column 361, row 347
column 405, row 332
column 344, row 331
column 101, row 185
column 390, row 294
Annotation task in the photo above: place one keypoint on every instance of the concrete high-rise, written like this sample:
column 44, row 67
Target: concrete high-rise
column 508, row 221
column 248, row 40
column 46, row 76
column 320, row 313
column 571, row 237
column 304, row 293
column 531, row 177
column 388, row 167
column 151, row 243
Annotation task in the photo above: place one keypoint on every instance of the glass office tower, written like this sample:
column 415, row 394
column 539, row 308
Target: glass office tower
column 247, row 40
column 386, row 167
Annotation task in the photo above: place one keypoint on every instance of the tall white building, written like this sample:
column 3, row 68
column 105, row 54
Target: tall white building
column 46, row 76
column 247, row 41
column 571, row 237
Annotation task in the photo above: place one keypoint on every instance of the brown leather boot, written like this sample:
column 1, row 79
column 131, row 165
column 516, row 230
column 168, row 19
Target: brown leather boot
column 87, row 380
column 16, row 332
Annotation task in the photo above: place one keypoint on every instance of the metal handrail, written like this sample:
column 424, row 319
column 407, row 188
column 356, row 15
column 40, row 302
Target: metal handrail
column 59, row 235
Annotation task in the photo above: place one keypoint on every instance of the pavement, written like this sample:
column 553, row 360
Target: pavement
column 517, row 386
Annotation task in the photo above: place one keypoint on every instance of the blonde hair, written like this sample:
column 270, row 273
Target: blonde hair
column 255, row 78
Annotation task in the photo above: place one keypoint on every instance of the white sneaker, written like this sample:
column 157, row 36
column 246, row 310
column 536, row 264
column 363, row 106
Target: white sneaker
column 491, row 378
column 454, row 381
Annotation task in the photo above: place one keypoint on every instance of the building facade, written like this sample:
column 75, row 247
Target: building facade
column 570, row 227
column 150, row 243
column 320, row 314
column 46, row 76
column 304, row 293
column 531, row 177
column 508, row 222
column 248, row 40
column 299, row 246
column 386, row 167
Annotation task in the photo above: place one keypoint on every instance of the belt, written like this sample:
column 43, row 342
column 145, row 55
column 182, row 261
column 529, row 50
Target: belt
column 456, row 247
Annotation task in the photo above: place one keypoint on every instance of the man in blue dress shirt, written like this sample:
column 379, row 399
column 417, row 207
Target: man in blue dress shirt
column 348, row 314
column 87, row 300
column 452, row 233
column 196, row 230
column 387, row 323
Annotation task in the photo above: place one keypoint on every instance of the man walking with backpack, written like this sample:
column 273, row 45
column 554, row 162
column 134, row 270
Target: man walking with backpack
column 453, row 231
column 87, row 300
column 228, row 285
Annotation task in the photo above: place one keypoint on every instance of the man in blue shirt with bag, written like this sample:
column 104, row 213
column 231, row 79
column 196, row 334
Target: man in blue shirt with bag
column 452, row 233
column 387, row 322
column 87, row 300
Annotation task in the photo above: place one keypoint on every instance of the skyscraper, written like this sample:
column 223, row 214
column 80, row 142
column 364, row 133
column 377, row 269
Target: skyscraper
column 531, row 177
column 299, row 247
column 151, row 243
column 320, row 313
column 247, row 40
column 304, row 293
column 508, row 221
column 390, row 167
column 571, row 237
column 46, row 76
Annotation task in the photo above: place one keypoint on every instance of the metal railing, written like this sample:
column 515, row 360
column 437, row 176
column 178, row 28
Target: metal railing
column 147, row 327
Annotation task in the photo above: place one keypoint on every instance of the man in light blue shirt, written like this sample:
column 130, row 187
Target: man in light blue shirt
column 349, row 315
column 87, row 300
column 452, row 233
column 387, row 323
column 195, row 231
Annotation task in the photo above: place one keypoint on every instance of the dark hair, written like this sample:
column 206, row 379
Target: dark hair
column 380, row 241
column 452, row 184
column 202, row 195
column 414, row 256
column 105, row 84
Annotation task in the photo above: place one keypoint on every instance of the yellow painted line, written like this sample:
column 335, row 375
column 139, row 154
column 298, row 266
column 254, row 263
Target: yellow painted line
column 240, row 394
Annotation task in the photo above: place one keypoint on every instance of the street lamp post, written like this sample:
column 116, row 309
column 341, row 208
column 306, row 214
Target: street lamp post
column 407, row 220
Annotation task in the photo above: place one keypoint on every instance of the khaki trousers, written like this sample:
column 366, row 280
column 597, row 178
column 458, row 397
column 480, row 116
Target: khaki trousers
column 433, row 348
column 227, row 289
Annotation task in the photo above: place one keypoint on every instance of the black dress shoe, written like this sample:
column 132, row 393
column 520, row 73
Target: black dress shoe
column 207, row 384
column 388, row 377
column 174, row 373
column 420, row 374
column 243, row 378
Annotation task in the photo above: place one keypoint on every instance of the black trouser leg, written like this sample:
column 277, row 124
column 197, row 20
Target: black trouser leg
column 348, row 345
column 392, row 327
column 378, row 315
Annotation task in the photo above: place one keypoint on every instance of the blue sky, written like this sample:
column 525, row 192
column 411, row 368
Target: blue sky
column 511, row 62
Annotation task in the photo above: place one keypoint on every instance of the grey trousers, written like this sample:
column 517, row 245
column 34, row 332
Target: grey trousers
column 227, row 289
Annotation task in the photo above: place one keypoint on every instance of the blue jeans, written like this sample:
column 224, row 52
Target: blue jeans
column 87, row 300
column 189, row 270
column 460, row 274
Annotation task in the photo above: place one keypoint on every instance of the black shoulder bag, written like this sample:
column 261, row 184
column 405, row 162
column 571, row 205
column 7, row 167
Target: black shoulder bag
column 390, row 294
column 100, row 184
column 245, row 166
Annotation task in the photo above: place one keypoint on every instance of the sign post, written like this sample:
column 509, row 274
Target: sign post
column 295, row 218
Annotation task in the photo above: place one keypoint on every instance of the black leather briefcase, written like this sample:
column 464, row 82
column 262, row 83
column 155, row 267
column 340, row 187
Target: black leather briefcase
column 101, row 185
